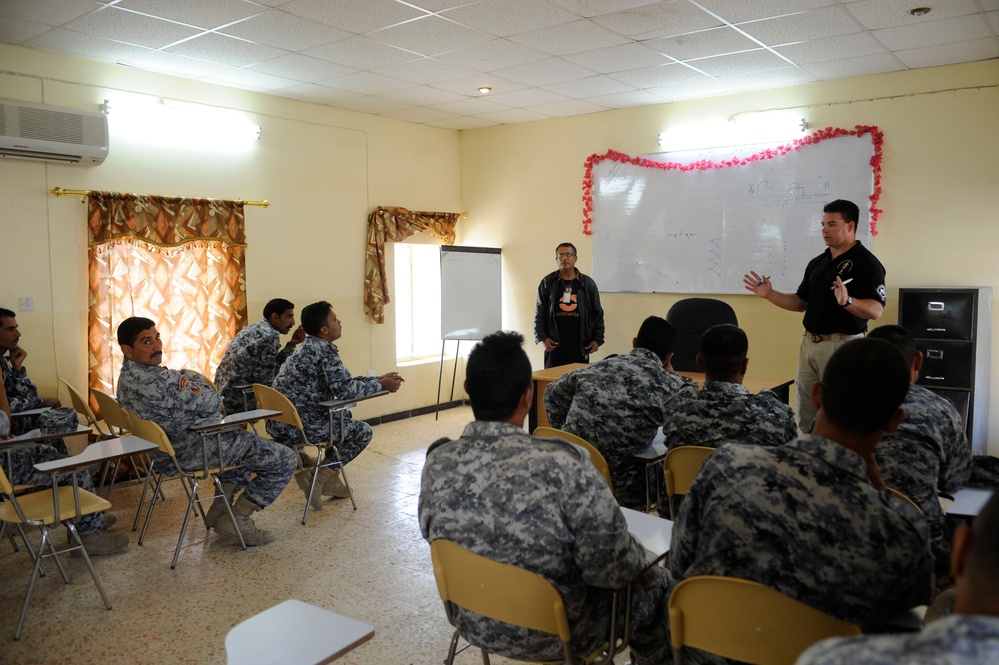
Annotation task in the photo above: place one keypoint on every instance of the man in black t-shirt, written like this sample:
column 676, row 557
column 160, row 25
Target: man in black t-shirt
column 568, row 318
column 843, row 288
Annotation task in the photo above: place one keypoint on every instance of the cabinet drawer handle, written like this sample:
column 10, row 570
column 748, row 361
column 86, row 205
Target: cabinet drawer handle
column 935, row 306
column 935, row 354
column 936, row 378
column 936, row 330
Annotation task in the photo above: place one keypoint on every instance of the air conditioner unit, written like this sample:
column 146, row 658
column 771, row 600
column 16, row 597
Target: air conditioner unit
column 52, row 134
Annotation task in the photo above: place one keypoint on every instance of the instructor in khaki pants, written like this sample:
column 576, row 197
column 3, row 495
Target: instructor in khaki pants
column 843, row 288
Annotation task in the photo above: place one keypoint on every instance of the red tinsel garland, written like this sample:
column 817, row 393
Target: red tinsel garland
column 877, row 138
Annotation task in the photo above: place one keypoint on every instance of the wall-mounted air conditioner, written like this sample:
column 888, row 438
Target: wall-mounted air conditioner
column 52, row 134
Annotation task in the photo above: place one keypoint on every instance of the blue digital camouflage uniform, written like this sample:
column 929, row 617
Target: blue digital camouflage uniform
column 723, row 412
column 22, row 395
column 927, row 454
column 541, row 505
column 177, row 399
column 253, row 356
column 804, row 519
column 316, row 374
column 616, row 404
column 959, row 639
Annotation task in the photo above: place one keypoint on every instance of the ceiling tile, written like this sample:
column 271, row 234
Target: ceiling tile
column 302, row 68
column 692, row 90
column 527, row 97
column 374, row 105
column 567, row 108
column 69, row 42
column 437, row 5
column 360, row 53
column 545, row 72
column 367, row 83
column 424, row 71
column 573, row 37
column 962, row 28
column 423, row 96
column 470, row 106
column 171, row 63
column 947, row 54
column 869, row 64
column 651, row 77
column 989, row 5
column 207, row 15
column 463, row 122
column 509, row 17
column 994, row 20
column 249, row 79
column 469, row 86
column 663, row 19
column 737, row 11
column 493, row 55
column 510, row 116
column 831, row 48
column 739, row 63
column 589, row 87
column 357, row 16
column 598, row 7
column 420, row 115
column 774, row 78
column 717, row 41
column 876, row 14
column 226, row 50
column 618, row 58
column 816, row 24
column 429, row 36
column 16, row 31
column 318, row 94
column 283, row 30
column 132, row 28
column 47, row 12
column 626, row 99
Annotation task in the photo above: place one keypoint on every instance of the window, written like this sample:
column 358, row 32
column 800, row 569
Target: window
column 417, row 300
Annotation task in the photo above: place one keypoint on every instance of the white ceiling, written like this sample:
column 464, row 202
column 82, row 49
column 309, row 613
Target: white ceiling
column 423, row 60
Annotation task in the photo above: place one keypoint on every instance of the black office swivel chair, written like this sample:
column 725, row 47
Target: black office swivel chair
column 691, row 317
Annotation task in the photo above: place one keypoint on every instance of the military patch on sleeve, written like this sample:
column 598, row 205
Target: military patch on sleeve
column 186, row 384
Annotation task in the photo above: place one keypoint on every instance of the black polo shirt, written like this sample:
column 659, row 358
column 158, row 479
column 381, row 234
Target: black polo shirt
column 823, row 315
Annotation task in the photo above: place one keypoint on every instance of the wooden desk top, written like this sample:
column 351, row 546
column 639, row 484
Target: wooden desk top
column 552, row 373
column 101, row 451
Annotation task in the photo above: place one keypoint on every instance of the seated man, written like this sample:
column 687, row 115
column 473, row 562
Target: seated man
column 617, row 404
column 177, row 399
column 316, row 374
column 21, row 391
column 723, row 410
column 968, row 637
column 538, row 504
column 810, row 518
column 254, row 355
column 929, row 452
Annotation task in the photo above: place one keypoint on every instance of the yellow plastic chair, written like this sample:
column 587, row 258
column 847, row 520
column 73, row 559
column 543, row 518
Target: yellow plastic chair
column 117, row 419
column 39, row 509
column 82, row 407
column 275, row 400
column 508, row 594
column 746, row 621
column 596, row 457
column 680, row 467
column 151, row 431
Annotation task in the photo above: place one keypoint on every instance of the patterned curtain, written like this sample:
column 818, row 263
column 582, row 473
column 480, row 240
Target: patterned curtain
column 396, row 224
column 180, row 262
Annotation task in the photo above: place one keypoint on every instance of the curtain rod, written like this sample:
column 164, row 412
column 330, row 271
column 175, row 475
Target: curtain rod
column 84, row 193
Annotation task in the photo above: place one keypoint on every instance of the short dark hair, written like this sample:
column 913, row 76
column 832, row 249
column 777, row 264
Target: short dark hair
column 898, row 337
column 657, row 335
column 7, row 314
column 864, row 383
column 566, row 244
column 315, row 316
column 723, row 349
column 277, row 306
column 983, row 558
column 130, row 328
column 847, row 209
column 496, row 375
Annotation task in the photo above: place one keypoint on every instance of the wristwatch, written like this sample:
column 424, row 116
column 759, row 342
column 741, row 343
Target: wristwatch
column 849, row 301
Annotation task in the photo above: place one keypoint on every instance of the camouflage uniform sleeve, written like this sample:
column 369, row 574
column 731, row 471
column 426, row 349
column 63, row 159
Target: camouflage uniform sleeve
column 344, row 385
column 955, row 468
column 674, row 408
column 22, row 394
column 279, row 359
column 558, row 399
column 195, row 396
column 4, row 424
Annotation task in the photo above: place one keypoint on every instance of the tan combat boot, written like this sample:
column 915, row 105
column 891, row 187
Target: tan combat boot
column 333, row 484
column 242, row 510
column 304, row 480
column 101, row 543
column 217, row 510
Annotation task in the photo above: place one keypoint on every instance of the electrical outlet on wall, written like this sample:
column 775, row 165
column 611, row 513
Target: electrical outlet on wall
column 28, row 304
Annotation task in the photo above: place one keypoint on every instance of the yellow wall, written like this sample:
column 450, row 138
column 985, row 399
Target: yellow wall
column 521, row 185
column 322, row 169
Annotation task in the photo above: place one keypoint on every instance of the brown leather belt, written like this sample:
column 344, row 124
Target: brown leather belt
column 832, row 337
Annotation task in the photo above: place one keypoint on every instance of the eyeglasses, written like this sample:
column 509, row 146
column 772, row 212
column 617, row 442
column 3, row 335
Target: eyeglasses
column 564, row 255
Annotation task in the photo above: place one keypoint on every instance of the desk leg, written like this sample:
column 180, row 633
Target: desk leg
column 532, row 416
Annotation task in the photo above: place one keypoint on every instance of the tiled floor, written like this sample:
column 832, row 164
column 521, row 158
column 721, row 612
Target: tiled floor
column 371, row 564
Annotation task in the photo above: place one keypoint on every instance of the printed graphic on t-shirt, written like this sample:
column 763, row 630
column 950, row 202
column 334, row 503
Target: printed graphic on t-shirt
column 844, row 267
column 568, row 306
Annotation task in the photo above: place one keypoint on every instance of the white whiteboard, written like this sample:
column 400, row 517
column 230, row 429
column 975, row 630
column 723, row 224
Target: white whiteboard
column 471, row 294
column 700, row 231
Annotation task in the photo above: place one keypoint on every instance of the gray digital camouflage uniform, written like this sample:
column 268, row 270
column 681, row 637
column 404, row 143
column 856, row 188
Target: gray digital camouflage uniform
column 316, row 374
column 959, row 639
column 722, row 412
column 22, row 394
column 617, row 404
column 541, row 505
column 177, row 399
column 253, row 356
column 927, row 454
column 804, row 519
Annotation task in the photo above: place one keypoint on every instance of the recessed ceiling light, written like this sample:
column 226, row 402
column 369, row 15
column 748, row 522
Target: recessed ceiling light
column 485, row 89
column 919, row 11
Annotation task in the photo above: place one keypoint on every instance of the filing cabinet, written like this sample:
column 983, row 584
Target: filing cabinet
column 953, row 329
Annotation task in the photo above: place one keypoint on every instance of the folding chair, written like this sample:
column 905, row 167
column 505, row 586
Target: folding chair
column 269, row 398
column 82, row 407
column 596, row 457
column 511, row 595
column 680, row 467
column 150, row 431
column 47, row 510
column 746, row 621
